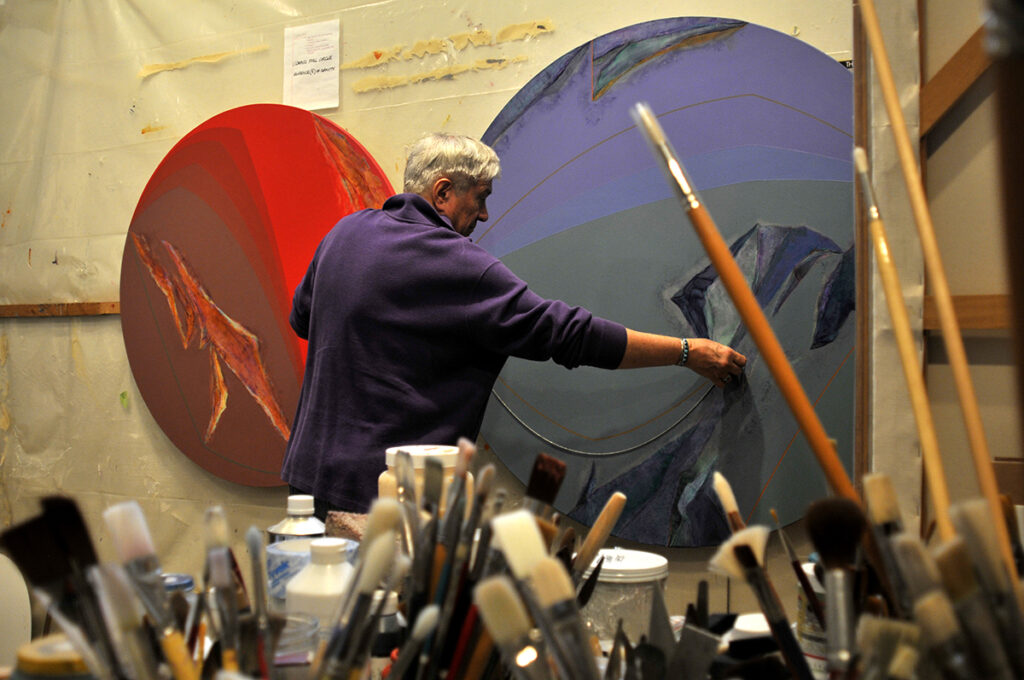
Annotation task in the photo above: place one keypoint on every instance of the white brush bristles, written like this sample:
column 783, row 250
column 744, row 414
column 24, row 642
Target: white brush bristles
column 385, row 515
column 934, row 613
column 860, row 159
column 725, row 495
column 724, row 560
column 426, row 622
column 501, row 609
column 520, row 541
column 129, row 531
column 551, row 582
column 880, row 498
column 220, row 570
column 215, row 527
column 375, row 562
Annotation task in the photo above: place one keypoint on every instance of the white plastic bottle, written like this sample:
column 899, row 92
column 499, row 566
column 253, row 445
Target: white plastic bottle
column 300, row 522
column 319, row 588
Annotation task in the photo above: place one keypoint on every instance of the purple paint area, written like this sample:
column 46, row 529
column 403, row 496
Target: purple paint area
column 548, row 210
column 738, row 85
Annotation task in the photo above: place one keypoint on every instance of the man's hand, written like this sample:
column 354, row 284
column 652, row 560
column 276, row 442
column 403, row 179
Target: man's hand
column 715, row 361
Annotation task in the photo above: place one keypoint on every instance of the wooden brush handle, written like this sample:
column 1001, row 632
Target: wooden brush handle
column 599, row 533
column 937, row 282
column 176, row 653
column 768, row 344
column 933, row 468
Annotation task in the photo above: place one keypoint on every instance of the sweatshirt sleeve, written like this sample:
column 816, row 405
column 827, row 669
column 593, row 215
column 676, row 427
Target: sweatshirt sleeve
column 302, row 301
column 506, row 316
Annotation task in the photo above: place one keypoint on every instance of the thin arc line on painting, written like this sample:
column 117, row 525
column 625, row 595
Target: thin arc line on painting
column 796, row 434
column 554, row 444
column 624, row 130
column 177, row 383
column 686, row 397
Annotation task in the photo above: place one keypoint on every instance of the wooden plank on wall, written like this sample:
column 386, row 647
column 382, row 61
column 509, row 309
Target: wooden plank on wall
column 60, row 309
column 952, row 80
column 973, row 312
column 1010, row 473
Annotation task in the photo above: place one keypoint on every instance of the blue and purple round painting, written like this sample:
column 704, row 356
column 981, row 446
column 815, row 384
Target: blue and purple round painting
column 764, row 125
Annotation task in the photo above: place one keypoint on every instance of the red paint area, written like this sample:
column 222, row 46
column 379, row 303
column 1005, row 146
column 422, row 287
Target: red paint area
column 233, row 215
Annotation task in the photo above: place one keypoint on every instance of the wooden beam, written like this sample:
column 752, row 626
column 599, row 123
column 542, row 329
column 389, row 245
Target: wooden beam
column 60, row 309
column 975, row 312
column 951, row 81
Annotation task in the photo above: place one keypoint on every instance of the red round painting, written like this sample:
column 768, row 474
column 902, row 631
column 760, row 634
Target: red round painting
column 221, row 237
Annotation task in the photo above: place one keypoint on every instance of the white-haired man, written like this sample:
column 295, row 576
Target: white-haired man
column 409, row 323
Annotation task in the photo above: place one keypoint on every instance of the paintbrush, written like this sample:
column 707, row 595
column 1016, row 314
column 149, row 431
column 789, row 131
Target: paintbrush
column 73, row 539
column 426, row 543
column 917, row 567
column 598, row 534
column 374, row 563
column 904, row 663
column 506, row 618
column 742, row 556
column 405, row 491
column 938, row 285
column 354, row 664
column 975, row 524
column 835, row 526
column 912, row 371
column 221, row 594
column 424, row 625
column 801, row 575
column 745, row 302
column 264, row 643
column 541, row 489
column 878, row 640
column 941, row 636
column 972, row 610
column 134, row 546
column 456, row 598
column 123, row 621
column 568, row 640
column 729, row 506
column 385, row 515
column 886, row 522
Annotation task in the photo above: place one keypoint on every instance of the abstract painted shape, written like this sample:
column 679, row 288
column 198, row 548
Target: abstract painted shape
column 221, row 237
column 675, row 484
column 581, row 211
column 229, row 341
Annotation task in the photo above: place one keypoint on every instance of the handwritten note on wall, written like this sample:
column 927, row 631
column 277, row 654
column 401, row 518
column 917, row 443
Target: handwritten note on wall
column 311, row 58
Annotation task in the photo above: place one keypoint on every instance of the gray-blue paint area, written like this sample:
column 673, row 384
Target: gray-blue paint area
column 628, row 266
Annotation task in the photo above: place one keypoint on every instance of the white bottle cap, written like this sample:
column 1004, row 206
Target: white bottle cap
column 300, row 504
column 328, row 550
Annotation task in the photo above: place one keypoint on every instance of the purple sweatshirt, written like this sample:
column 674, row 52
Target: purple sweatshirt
column 409, row 324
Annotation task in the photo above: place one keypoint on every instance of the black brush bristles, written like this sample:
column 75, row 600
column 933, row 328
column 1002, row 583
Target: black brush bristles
column 545, row 479
column 836, row 526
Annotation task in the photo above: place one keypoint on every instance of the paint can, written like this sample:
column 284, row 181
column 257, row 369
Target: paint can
column 448, row 457
column 625, row 590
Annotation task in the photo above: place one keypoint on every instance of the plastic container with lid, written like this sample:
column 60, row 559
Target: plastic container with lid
column 319, row 588
column 625, row 590
column 50, row 658
column 419, row 453
column 300, row 522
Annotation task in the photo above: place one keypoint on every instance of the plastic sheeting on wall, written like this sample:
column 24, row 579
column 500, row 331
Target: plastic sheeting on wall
column 97, row 92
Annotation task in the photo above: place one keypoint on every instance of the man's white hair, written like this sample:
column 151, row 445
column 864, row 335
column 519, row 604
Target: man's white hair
column 463, row 160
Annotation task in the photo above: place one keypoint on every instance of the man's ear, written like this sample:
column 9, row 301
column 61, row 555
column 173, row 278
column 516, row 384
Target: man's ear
column 442, row 193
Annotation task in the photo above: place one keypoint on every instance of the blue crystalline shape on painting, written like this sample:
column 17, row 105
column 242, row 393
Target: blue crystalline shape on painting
column 784, row 257
column 675, row 483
